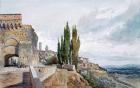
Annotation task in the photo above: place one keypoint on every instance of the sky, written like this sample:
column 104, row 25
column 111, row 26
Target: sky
column 109, row 30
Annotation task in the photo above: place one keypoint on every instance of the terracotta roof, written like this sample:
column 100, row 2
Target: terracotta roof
column 11, row 14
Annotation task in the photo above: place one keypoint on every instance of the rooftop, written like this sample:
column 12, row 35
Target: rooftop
column 10, row 17
column 11, row 14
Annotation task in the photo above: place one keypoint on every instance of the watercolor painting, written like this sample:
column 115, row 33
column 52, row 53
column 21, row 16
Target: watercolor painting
column 69, row 44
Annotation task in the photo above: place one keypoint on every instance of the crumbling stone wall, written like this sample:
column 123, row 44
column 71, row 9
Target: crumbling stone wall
column 17, row 36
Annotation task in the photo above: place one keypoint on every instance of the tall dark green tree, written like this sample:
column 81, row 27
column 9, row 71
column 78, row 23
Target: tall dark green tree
column 70, row 54
column 62, row 49
column 68, row 49
column 75, row 46
column 66, row 43
column 59, row 53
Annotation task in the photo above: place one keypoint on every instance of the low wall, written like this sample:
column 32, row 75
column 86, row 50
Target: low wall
column 36, row 83
column 4, row 70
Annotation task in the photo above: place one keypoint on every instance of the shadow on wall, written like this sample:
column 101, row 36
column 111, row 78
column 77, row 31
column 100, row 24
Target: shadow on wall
column 26, row 82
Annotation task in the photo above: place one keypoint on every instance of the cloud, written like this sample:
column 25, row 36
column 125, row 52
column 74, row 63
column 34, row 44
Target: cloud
column 112, row 36
column 131, row 30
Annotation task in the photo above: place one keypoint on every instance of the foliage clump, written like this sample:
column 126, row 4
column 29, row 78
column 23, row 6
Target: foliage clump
column 68, row 48
column 99, row 82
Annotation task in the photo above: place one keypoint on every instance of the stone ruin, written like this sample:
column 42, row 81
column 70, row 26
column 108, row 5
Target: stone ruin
column 17, row 40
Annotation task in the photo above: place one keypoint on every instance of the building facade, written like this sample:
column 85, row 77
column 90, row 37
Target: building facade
column 17, row 40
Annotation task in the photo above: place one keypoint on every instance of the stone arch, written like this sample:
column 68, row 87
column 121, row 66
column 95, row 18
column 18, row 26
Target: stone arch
column 7, row 57
column 11, row 46
column 10, row 50
column 11, row 42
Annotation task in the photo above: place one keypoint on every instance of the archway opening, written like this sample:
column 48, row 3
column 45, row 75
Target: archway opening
column 11, row 60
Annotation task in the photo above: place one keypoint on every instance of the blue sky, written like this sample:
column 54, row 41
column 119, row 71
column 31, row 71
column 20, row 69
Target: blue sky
column 109, row 29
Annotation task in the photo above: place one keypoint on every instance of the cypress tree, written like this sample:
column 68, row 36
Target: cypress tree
column 68, row 49
column 59, row 53
column 70, row 54
column 67, row 43
column 62, row 49
column 75, row 46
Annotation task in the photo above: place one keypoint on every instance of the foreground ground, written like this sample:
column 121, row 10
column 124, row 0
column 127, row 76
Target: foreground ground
column 50, row 76
column 14, row 78
column 132, row 81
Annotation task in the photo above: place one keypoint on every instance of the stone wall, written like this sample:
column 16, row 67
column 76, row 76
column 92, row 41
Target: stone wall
column 36, row 83
column 22, row 38
column 7, row 17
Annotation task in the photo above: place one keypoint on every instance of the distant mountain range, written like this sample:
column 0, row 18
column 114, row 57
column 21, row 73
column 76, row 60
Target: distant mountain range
column 125, row 69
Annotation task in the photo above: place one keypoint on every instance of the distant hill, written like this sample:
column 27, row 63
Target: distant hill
column 126, row 69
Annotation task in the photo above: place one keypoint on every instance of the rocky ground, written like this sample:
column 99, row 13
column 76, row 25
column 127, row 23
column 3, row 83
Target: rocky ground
column 120, row 77
column 127, row 75
column 131, row 81
column 12, row 77
column 65, row 79
column 53, row 77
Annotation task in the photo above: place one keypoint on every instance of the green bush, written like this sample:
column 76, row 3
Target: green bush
column 50, row 61
column 99, row 82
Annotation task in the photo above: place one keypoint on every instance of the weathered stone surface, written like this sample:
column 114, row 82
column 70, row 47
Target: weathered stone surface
column 11, row 77
column 65, row 79
column 16, row 39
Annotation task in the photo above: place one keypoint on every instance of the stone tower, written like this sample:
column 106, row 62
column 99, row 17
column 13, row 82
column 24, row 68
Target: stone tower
column 16, row 39
column 46, row 48
column 40, row 46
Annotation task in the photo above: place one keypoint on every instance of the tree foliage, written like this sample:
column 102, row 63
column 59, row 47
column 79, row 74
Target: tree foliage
column 59, row 53
column 75, row 46
column 67, row 51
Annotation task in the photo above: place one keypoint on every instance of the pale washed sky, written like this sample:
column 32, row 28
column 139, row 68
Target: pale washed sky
column 109, row 29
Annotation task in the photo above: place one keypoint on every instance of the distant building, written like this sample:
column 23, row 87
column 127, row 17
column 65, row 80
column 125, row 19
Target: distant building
column 83, row 62
column 46, row 54
column 46, row 48
column 40, row 46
